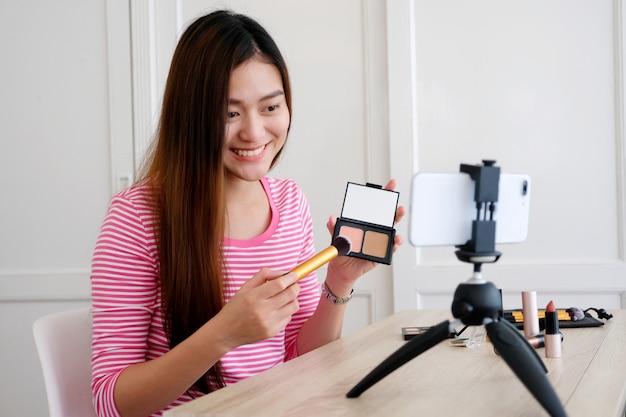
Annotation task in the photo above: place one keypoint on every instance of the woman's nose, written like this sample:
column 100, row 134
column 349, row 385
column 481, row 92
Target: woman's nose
column 252, row 128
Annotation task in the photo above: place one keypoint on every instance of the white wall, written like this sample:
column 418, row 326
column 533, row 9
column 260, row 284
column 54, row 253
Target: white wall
column 74, row 124
column 523, row 84
column 54, row 175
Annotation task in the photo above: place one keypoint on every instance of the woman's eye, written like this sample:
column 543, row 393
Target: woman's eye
column 272, row 107
column 232, row 114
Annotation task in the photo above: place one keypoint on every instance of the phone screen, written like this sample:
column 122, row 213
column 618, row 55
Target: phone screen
column 442, row 209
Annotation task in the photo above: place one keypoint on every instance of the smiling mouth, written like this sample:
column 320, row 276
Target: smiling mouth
column 249, row 152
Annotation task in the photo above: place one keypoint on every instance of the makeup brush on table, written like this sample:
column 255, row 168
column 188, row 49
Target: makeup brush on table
column 340, row 246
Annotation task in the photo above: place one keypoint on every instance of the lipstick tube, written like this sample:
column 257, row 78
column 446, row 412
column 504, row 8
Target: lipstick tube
column 529, row 311
column 552, row 335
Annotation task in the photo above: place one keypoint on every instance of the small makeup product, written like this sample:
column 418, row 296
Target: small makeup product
column 409, row 333
column 552, row 335
column 538, row 341
column 340, row 246
column 529, row 311
column 367, row 219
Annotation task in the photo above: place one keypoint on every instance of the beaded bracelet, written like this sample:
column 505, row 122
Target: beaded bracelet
column 332, row 297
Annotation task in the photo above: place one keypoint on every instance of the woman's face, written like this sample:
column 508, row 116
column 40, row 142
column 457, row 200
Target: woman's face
column 257, row 120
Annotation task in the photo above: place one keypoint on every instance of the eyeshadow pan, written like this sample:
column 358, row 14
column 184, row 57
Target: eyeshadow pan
column 355, row 235
column 375, row 244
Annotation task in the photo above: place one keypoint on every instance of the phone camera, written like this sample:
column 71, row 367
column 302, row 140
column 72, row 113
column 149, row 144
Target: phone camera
column 525, row 187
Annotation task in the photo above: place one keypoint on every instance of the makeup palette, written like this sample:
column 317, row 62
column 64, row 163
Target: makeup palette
column 367, row 219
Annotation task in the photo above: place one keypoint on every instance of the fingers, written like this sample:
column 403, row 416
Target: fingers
column 266, row 275
column 276, row 287
column 271, row 289
column 330, row 224
column 261, row 278
column 391, row 185
column 279, row 295
column 400, row 212
column 397, row 241
column 262, row 306
column 278, row 281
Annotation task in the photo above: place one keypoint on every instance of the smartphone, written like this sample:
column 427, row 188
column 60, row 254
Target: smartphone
column 442, row 209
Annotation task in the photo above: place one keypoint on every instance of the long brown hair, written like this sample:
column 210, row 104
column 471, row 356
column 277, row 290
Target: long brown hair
column 186, row 171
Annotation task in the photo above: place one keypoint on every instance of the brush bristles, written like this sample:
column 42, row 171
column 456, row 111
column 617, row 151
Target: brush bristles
column 343, row 245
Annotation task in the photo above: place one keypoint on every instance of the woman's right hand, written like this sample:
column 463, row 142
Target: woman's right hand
column 261, row 308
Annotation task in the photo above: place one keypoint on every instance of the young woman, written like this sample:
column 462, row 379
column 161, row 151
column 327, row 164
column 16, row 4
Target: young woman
column 188, row 277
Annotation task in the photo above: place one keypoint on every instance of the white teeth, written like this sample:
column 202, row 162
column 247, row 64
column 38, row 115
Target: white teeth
column 254, row 152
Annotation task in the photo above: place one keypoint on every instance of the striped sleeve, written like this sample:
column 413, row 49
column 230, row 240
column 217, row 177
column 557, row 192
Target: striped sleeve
column 124, row 296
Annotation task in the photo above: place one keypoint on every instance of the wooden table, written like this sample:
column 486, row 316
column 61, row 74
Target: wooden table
column 590, row 378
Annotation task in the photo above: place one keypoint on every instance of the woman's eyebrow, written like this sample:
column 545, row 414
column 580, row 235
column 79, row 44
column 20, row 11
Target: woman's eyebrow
column 268, row 96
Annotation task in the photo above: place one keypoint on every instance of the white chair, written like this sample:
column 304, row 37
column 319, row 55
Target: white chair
column 64, row 345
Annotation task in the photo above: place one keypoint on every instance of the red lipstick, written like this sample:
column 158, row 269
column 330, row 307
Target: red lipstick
column 552, row 335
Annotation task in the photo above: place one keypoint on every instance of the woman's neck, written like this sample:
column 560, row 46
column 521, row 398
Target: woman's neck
column 248, row 209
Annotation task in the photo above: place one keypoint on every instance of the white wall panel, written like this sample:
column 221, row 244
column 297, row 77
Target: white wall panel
column 57, row 113
column 520, row 83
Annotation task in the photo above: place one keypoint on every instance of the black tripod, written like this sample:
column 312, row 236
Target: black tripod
column 479, row 303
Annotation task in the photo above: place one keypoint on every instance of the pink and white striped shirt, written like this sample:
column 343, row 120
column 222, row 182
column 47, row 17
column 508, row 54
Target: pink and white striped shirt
column 127, row 315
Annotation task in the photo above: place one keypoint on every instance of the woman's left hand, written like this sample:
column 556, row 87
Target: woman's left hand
column 349, row 269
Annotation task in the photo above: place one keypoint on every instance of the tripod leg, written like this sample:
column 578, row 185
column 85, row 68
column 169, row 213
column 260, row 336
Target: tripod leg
column 526, row 365
column 410, row 350
column 529, row 348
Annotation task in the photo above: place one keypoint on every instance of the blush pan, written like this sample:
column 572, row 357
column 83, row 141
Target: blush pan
column 367, row 219
column 355, row 235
